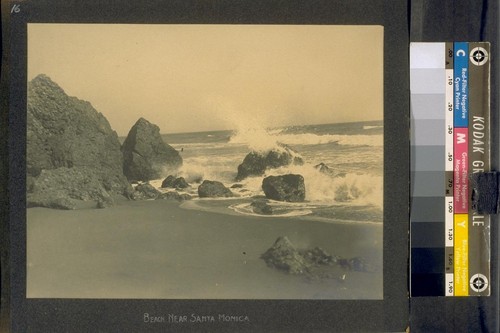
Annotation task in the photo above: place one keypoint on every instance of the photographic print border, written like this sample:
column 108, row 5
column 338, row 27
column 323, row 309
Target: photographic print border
column 389, row 314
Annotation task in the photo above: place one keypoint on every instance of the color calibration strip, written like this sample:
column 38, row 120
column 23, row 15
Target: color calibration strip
column 449, row 85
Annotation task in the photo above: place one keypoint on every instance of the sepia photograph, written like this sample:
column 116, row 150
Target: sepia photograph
column 205, row 161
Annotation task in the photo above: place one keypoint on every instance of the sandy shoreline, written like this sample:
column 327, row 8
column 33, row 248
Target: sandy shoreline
column 156, row 249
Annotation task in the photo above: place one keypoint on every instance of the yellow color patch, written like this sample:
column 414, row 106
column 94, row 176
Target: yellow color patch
column 461, row 254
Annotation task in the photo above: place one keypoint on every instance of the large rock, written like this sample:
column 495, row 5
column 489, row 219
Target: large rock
column 213, row 189
column 177, row 183
column 256, row 163
column 313, row 263
column 284, row 256
column 168, row 182
column 173, row 195
column 289, row 188
column 71, row 150
column 145, row 191
column 145, row 155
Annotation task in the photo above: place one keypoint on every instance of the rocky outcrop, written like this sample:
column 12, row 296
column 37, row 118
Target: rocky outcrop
column 358, row 264
column 315, row 263
column 213, row 189
column 167, row 182
column 177, row 183
column 145, row 191
column 289, row 188
column 326, row 170
column 71, row 151
column 173, row 195
column 323, row 168
column 145, row 155
column 261, row 207
column 256, row 163
column 284, row 256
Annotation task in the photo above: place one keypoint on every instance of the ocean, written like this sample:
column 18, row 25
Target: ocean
column 353, row 192
column 212, row 248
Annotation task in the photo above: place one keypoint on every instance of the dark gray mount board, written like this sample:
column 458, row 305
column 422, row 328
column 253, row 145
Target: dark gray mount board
column 418, row 21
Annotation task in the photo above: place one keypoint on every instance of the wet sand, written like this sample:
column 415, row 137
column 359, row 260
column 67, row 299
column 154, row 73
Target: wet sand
column 156, row 249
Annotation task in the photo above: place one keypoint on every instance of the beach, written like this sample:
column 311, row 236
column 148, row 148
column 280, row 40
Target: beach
column 159, row 249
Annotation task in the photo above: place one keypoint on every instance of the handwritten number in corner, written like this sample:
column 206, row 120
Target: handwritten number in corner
column 15, row 9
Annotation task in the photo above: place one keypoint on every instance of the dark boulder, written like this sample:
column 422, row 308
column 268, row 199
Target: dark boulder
column 180, row 183
column 313, row 264
column 256, row 163
column 173, row 195
column 212, row 189
column 284, row 256
column 68, row 138
column 177, row 183
column 289, row 188
column 237, row 186
column 325, row 169
column 261, row 207
column 145, row 155
column 145, row 191
column 168, row 182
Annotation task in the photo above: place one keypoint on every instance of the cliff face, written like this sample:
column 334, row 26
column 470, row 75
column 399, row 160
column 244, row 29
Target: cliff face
column 146, row 156
column 72, row 152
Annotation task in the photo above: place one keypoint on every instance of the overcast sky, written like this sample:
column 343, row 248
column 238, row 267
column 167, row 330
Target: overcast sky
column 187, row 78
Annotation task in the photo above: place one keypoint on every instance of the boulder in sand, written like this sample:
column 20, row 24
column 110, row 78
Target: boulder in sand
column 213, row 189
column 284, row 256
column 289, row 188
column 145, row 191
column 256, row 163
column 173, row 195
column 313, row 263
column 145, row 155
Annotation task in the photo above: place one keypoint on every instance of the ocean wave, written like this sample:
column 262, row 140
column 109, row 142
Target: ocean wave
column 247, row 209
column 265, row 141
column 323, row 189
column 367, row 127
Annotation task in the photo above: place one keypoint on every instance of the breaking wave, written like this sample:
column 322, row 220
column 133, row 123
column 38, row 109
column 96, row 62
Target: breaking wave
column 262, row 140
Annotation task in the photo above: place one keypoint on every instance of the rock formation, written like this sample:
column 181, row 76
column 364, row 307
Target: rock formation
column 256, row 163
column 167, row 182
column 177, row 183
column 284, row 256
column 145, row 191
column 315, row 263
column 289, row 188
column 325, row 169
column 145, row 155
column 261, row 207
column 213, row 189
column 173, row 195
column 71, row 151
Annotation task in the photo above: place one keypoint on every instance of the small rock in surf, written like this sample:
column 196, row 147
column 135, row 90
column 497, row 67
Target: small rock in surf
column 289, row 188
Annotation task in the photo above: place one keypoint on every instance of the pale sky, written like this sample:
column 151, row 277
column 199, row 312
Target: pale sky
column 188, row 78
